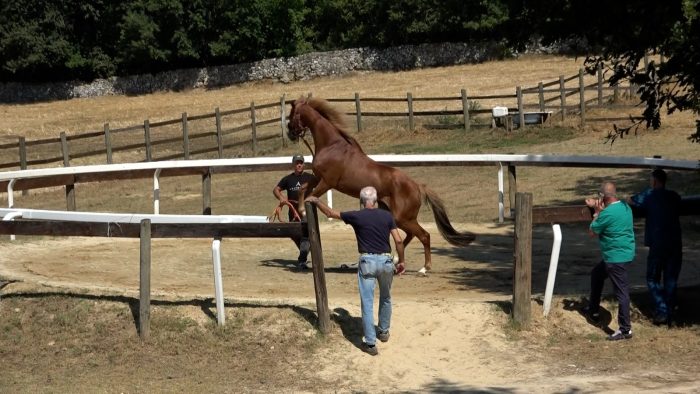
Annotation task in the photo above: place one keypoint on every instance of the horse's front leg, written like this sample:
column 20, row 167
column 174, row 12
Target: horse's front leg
column 316, row 185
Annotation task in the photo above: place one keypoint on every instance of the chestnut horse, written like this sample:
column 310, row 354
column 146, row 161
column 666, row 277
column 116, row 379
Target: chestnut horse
column 340, row 163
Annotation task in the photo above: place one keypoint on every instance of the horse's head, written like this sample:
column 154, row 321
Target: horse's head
column 295, row 128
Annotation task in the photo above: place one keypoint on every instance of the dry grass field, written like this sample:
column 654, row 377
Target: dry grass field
column 68, row 307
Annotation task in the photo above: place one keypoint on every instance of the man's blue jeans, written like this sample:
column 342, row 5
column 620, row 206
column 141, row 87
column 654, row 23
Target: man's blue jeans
column 375, row 268
column 664, row 262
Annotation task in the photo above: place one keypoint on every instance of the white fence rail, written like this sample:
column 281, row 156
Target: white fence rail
column 44, row 177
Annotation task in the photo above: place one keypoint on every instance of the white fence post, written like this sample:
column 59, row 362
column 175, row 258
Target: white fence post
column 501, row 207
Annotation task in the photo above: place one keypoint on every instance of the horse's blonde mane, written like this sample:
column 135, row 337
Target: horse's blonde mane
column 334, row 116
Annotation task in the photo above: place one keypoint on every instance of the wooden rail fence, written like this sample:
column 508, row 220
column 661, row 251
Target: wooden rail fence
column 215, row 134
column 526, row 215
column 145, row 231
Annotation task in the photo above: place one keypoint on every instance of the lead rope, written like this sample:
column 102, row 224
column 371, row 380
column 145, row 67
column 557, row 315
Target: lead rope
column 303, row 138
column 278, row 210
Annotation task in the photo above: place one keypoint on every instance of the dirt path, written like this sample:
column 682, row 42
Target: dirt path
column 449, row 330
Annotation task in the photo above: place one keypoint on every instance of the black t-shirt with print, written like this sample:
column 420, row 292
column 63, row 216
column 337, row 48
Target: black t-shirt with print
column 292, row 183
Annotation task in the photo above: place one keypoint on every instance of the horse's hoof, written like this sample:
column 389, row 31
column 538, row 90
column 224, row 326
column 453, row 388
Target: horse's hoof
column 423, row 272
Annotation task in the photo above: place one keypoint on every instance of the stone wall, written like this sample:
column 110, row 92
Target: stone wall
column 285, row 70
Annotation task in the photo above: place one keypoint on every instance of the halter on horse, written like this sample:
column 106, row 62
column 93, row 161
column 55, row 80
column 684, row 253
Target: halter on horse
column 341, row 164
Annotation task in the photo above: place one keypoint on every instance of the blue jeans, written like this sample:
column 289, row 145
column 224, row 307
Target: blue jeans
column 666, row 263
column 375, row 268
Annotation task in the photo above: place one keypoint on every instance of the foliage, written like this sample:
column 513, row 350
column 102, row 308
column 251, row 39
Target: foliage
column 56, row 40
column 53, row 40
column 348, row 23
column 617, row 35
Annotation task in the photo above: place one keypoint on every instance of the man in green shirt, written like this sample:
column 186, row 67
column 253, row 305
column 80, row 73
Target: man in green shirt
column 612, row 223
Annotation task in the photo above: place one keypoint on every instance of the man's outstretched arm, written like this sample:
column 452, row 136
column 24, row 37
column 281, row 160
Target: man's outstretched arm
column 328, row 211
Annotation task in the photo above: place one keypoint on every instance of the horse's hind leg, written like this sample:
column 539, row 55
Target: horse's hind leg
column 412, row 228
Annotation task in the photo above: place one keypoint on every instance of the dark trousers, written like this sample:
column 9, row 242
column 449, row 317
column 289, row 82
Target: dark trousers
column 663, row 263
column 618, row 276
column 302, row 243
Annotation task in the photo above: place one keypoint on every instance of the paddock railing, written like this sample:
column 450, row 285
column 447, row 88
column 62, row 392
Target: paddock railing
column 68, row 177
column 146, row 227
column 246, row 131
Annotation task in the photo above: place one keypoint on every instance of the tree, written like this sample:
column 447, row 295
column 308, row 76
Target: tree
column 53, row 40
column 617, row 35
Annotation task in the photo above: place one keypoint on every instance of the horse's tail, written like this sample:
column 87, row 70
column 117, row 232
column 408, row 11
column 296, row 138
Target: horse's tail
column 443, row 222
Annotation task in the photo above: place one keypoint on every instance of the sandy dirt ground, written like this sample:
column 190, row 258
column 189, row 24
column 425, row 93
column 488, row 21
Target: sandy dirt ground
column 447, row 330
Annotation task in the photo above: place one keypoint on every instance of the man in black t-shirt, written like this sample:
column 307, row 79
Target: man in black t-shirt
column 292, row 183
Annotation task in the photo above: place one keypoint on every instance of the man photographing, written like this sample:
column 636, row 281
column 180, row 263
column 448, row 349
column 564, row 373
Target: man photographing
column 613, row 225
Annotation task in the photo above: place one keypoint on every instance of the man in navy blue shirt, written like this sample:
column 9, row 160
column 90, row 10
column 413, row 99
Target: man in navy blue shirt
column 662, row 234
column 372, row 226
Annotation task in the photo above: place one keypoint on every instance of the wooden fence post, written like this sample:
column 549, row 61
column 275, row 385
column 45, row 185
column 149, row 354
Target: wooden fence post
column 600, row 84
column 185, row 137
column 409, row 99
column 521, row 110
column 522, row 276
column 108, row 143
column 562, row 96
column 283, row 119
column 582, row 96
column 540, row 90
column 206, row 193
column 23, row 158
column 70, row 188
column 147, row 139
column 219, row 135
column 145, row 280
column 358, row 112
column 70, row 196
column 254, row 133
column 64, row 150
column 616, row 93
column 22, row 153
column 465, row 110
column 324, row 323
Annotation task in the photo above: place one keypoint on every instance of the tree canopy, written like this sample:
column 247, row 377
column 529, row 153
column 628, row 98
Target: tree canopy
column 57, row 40
column 617, row 35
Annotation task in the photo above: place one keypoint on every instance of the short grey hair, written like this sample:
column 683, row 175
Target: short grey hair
column 368, row 193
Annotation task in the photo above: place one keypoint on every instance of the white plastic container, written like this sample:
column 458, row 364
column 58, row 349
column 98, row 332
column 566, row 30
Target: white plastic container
column 499, row 111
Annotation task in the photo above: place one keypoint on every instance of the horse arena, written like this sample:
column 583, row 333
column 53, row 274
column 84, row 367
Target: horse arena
column 460, row 301
column 451, row 329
